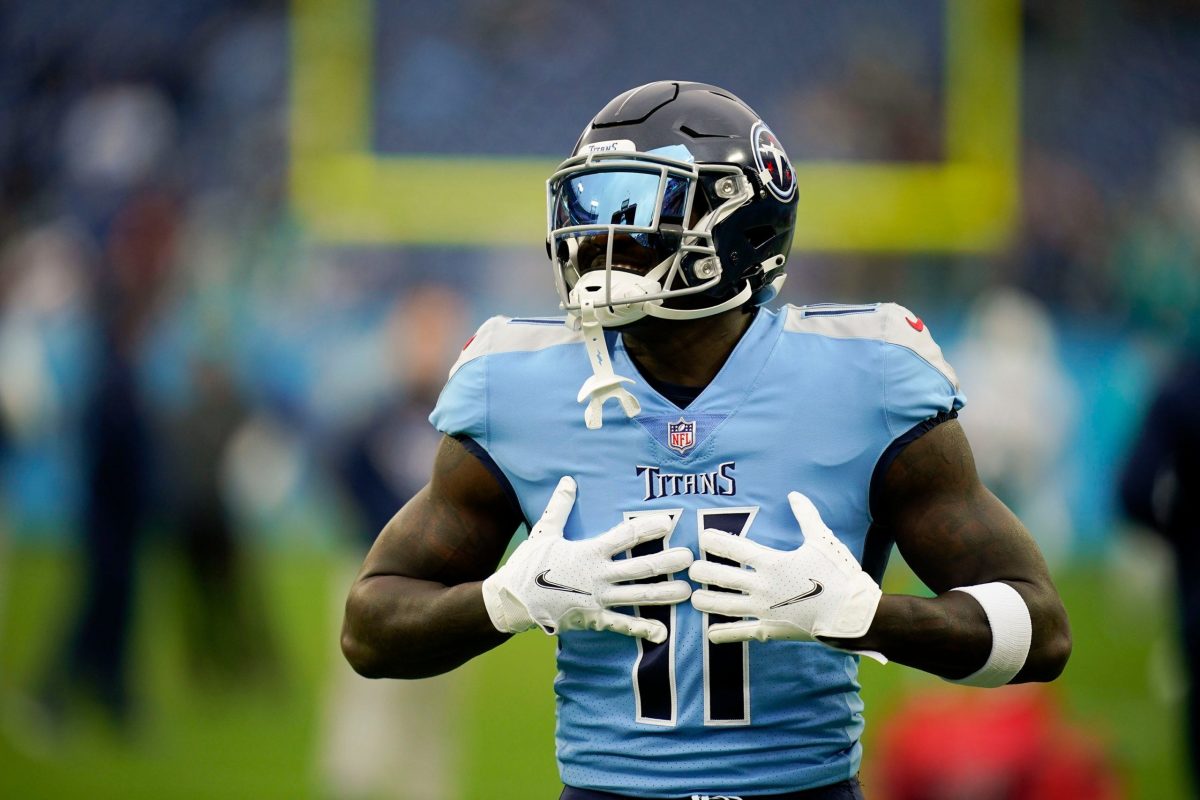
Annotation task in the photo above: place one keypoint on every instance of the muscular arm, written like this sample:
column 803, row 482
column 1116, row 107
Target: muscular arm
column 416, row 608
column 954, row 532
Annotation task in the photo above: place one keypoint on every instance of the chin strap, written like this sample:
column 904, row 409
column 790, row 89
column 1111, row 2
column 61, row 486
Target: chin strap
column 627, row 293
column 662, row 312
column 604, row 383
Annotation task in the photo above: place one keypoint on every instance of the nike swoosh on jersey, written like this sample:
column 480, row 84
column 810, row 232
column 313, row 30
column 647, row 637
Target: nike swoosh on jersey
column 541, row 581
column 816, row 589
column 918, row 325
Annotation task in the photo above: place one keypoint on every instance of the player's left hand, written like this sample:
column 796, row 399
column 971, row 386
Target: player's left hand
column 817, row 590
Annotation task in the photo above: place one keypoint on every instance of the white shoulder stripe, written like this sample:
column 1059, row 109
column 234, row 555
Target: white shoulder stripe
column 885, row 322
column 835, row 310
column 518, row 334
column 837, row 321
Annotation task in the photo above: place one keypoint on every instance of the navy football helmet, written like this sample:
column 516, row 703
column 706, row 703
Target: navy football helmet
column 677, row 202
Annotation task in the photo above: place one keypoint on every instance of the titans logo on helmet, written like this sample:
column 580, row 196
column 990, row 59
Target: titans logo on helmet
column 769, row 156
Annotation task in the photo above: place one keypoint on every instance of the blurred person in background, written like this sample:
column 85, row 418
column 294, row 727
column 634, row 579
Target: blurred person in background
column 227, row 636
column 1024, row 408
column 669, row 226
column 1017, row 745
column 1157, row 251
column 4, row 437
column 3, row 538
column 114, row 138
column 1159, row 254
column 117, row 445
column 396, row 738
column 1160, row 489
column 43, row 287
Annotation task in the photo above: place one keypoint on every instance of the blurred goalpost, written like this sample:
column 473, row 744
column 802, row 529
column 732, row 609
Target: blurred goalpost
column 342, row 192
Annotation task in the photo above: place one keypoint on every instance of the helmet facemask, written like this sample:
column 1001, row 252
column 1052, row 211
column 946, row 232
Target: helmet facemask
column 605, row 207
column 625, row 202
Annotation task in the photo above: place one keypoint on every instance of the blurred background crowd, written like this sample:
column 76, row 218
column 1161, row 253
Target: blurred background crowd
column 206, row 412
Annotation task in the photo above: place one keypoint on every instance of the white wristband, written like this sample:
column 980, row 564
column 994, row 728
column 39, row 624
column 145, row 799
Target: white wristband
column 1012, row 633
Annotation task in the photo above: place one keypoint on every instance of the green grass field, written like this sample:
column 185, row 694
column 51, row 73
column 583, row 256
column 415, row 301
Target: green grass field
column 260, row 739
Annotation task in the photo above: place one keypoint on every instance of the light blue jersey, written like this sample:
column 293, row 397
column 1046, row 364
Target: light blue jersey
column 810, row 400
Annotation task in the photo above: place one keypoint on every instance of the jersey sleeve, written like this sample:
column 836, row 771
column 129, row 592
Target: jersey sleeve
column 461, row 408
column 919, row 384
column 920, row 392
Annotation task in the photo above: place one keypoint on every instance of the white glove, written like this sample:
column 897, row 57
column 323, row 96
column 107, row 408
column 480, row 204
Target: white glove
column 561, row 585
column 816, row 590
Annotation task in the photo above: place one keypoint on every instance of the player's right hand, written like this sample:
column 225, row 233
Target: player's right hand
column 562, row 585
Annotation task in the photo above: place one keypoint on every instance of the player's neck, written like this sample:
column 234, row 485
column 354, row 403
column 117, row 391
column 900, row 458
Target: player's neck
column 686, row 352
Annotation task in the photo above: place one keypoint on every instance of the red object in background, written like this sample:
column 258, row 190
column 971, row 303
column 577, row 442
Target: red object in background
column 1011, row 744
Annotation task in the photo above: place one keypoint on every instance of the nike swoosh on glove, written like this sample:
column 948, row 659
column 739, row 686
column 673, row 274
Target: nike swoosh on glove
column 563, row 585
column 817, row 590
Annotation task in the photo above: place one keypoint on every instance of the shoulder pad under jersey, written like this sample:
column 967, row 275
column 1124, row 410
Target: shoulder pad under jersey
column 890, row 323
column 515, row 334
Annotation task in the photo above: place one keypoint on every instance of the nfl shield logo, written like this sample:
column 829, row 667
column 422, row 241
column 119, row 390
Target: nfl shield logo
column 681, row 435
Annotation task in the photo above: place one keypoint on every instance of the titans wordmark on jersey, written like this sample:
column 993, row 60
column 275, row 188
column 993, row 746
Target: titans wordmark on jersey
column 811, row 399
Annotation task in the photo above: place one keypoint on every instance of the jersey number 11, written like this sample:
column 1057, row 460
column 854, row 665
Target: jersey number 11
column 726, row 666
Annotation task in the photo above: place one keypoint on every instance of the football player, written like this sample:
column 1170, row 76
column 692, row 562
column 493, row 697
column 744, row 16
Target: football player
column 708, row 547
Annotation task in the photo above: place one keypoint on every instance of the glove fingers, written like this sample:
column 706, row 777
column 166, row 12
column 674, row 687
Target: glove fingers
column 759, row 630
column 633, row 532
column 743, row 631
column 728, row 604
column 677, row 559
column 811, row 524
column 818, row 536
column 645, row 594
column 711, row 573
column 735, row 548
column 637, row 627
column 557, row 510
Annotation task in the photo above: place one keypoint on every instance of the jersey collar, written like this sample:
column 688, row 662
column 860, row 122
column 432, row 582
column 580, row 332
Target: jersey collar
column 732, row 383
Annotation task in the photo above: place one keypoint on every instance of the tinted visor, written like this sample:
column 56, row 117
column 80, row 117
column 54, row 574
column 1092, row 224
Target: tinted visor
column 629, row 198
